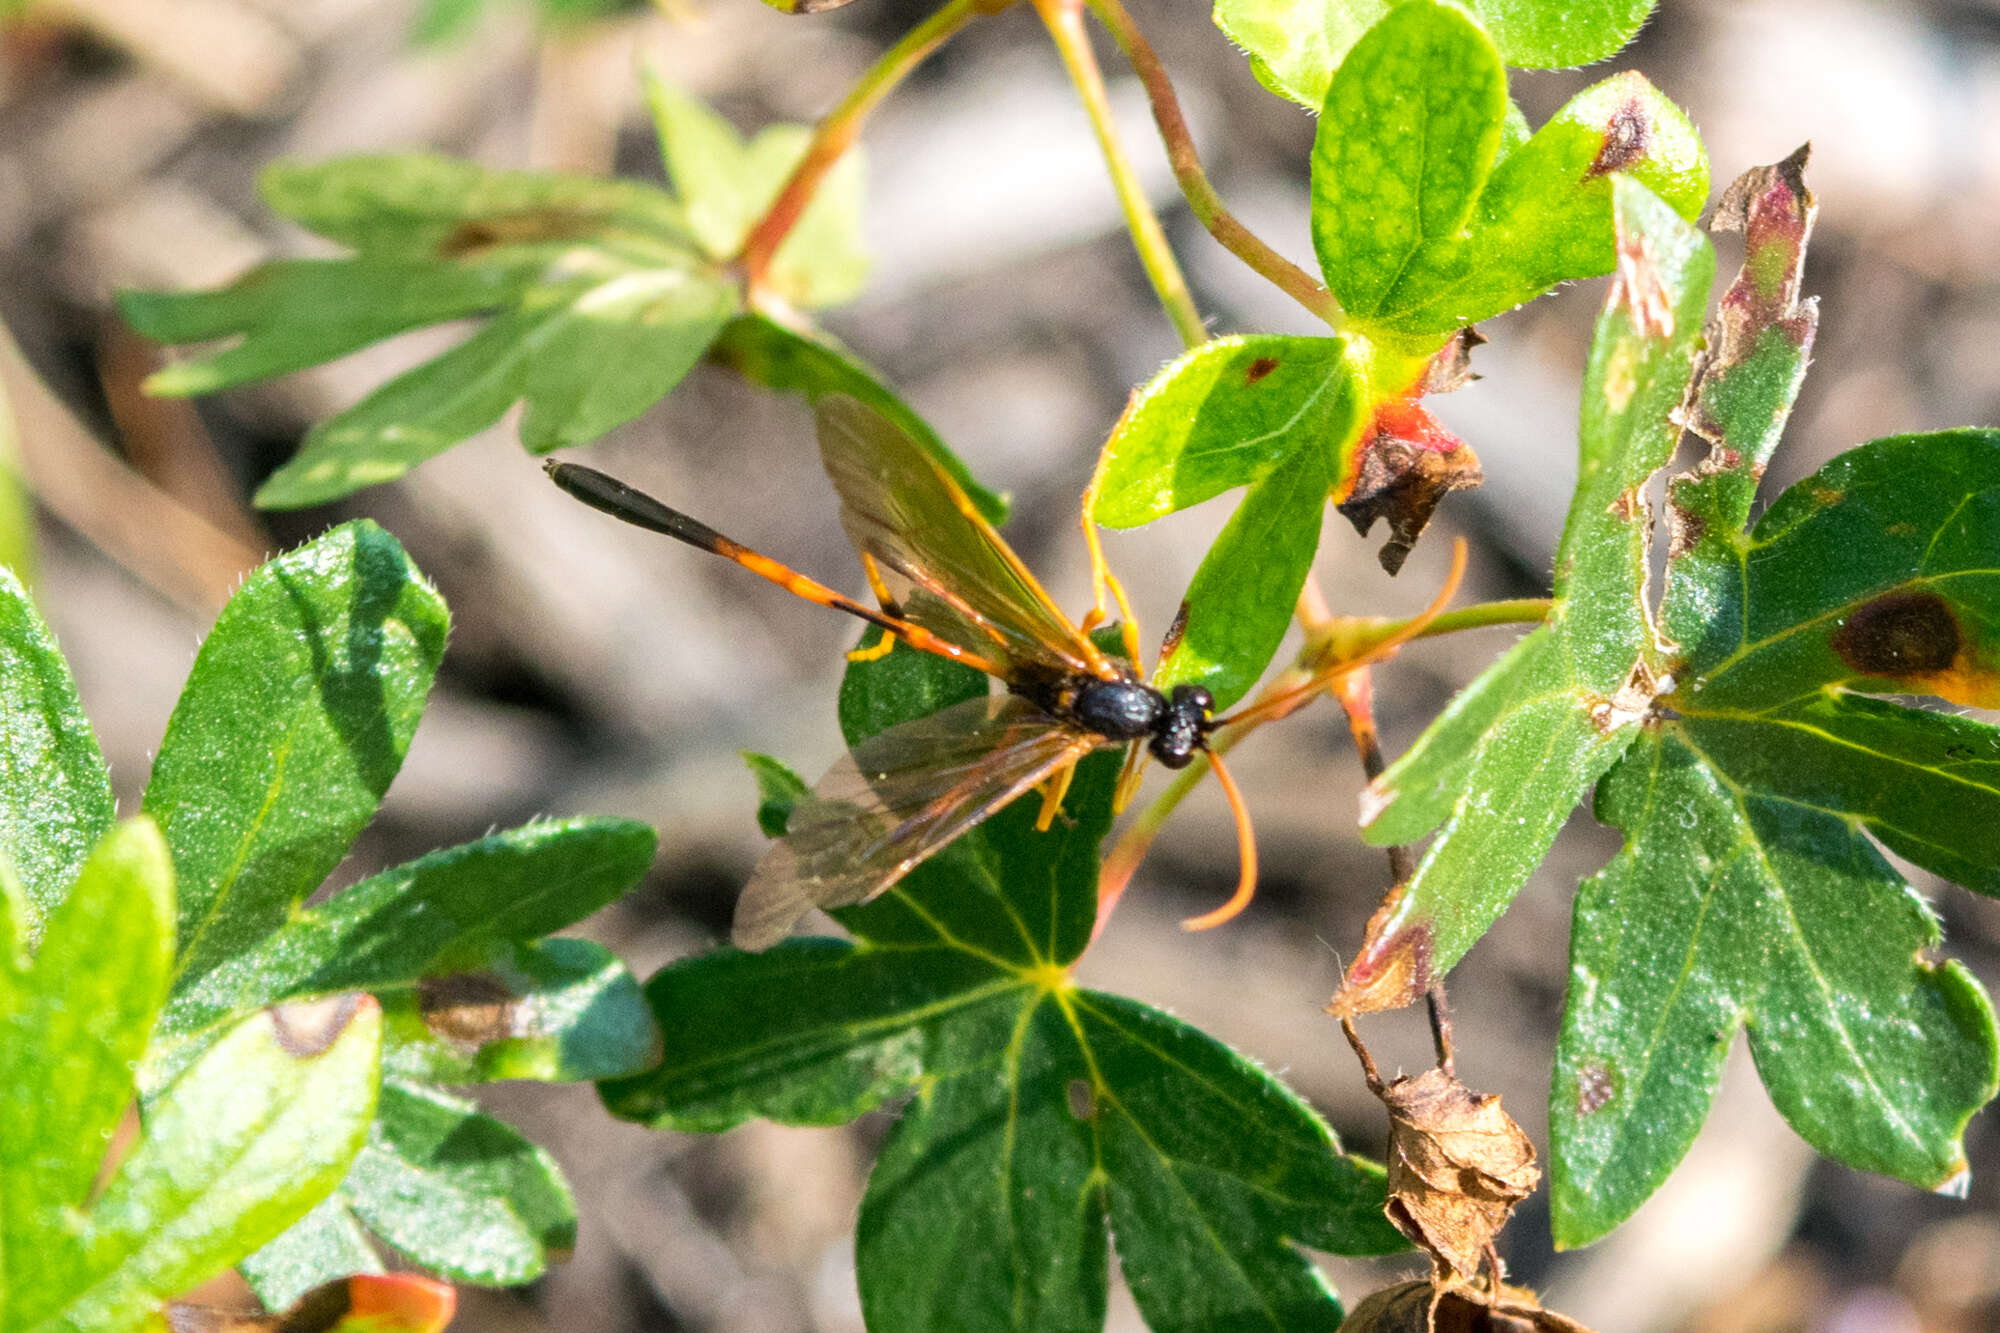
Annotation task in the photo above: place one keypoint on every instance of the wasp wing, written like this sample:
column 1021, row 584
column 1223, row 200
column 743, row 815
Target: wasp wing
column 896, row 799
column 906, row 513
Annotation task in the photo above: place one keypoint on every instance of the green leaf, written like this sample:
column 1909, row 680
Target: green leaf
column 1503, row 766
column 1748, row 893
column 1731, row 905
column 72, row 1024
column 327, row 1243
column 1240, row 601
column 779, row 791
column 586, row 354
column 599, row 295
column 726, row 185
column 239, row 1147
column 443, row 915
column 813, row 364
column 1227, row 414
column 557, row 1011
column 296, row 313
column 1406, row 140
column 55, row 794
column 459, row 1192
column 1420, row 233
column 1040, row 1111
column 1296, row 45
column 1279, row 415
column 294, row 719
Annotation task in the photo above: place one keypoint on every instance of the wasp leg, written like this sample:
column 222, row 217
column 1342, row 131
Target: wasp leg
column 1053, row 790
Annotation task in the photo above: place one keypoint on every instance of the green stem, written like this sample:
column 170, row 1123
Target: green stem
column 837, row 130
column 1356, row 636
column 1064, row 19
column 1203, row 201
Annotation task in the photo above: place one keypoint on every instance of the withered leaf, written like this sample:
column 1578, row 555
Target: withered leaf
column 1421, row 1307
column 1457, row 1166
column 1407, row 464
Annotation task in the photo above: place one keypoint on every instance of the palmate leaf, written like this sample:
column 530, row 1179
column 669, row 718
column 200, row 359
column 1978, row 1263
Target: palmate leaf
column 598, row 296
column 1296, row 45
column 1748, row 893
column 1503, row 766
column 296, row 716
column 1040, row 1111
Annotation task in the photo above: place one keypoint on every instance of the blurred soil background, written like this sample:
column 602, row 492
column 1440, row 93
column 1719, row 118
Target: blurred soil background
column 595, row 669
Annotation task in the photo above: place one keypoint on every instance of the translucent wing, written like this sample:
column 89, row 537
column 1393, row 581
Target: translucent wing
column 922, row 530
column 895, row 800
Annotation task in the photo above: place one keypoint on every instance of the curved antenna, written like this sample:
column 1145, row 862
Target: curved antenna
column 1246, row 845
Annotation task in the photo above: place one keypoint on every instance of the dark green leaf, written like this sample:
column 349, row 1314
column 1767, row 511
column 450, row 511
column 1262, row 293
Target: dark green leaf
column 238, row 1148
column 72, row 1024
column 294, row 719
column 55, row 795
column 813, row 364
column 1501, row 769
column 1732, row 904
column 1748, row 892
column 779, row 790
column 459, row 1192
column 1296, row 45
column 1039, row 1109
column 1406, row 140
column 1226, row 414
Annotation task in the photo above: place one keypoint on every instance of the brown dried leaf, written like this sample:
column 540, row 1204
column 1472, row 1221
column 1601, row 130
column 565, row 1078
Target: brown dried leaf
column 1420, row 1307
column 1457, row 1166
column 1405, row 466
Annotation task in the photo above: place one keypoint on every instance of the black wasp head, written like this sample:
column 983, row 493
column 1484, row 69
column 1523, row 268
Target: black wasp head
column 1182, row 730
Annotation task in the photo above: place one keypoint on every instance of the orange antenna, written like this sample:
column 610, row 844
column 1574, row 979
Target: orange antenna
column 1246, row 845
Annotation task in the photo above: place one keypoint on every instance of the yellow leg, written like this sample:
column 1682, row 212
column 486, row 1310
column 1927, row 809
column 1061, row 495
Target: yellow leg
column 1053, row 791
column 874, row 653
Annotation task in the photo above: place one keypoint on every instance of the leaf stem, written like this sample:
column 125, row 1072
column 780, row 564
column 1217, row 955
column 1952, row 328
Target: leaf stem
column 1064, row 19
column 837, row 130
column 1202, row 199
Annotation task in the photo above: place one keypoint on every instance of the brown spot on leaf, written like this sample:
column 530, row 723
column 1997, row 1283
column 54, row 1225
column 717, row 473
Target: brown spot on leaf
column 1082, row 1101
column 305, row 1028
column 1627, row 137
column 1457, row 1166
column 1685, row 529
column 1427, row 1307
column 1638, row 285
column 469, row 1009
column 1259, row 368
column 1628, row 506
column 1406, row 465
column 1900, row 634
column 1595, row 1087
column 536, row 224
